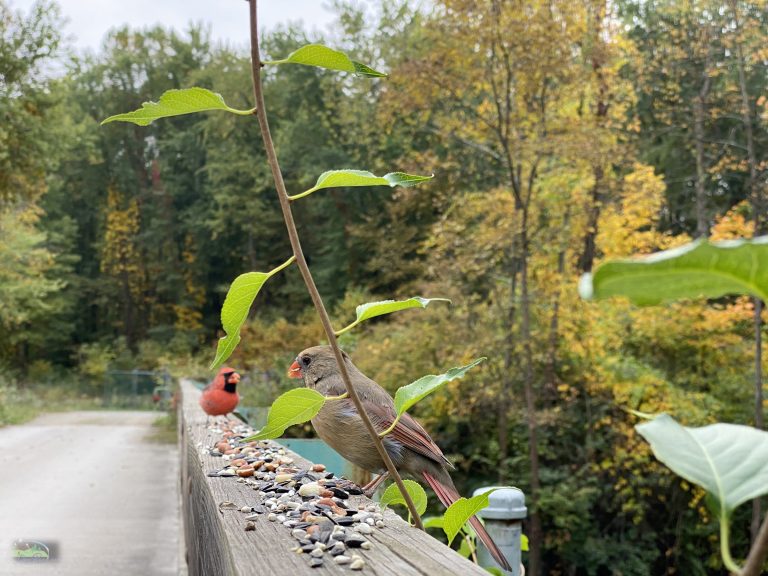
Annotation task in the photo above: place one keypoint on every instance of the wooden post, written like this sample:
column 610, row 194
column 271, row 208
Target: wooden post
column 217, row 543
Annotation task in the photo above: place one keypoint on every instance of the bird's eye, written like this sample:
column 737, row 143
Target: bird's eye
column 306, row 360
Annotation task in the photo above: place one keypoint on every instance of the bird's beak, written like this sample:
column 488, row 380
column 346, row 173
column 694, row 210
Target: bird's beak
column 295, row 370
column 235, row 377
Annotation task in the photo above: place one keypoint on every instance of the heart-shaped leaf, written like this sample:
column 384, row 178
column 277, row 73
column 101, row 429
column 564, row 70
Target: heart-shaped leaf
column 728, row 460
column 462, row 510
column 701, row 268
column 373, row 309
column 324, row 57
column 238, row 302
column 392, row 495
column 294, row 407
column 176, row 103
column 351, row 178
column 407, row 396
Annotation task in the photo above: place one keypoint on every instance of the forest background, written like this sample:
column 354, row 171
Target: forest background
column 560, row 134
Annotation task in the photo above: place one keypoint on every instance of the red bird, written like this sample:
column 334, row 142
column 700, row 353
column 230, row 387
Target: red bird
column 410, row 447
column 220, row 396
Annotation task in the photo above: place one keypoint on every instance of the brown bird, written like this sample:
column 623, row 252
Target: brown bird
column 220, row 397
column 409, row 446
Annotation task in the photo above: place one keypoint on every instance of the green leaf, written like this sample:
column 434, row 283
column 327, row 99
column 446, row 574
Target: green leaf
column 238, row 302
column 409, row 395
column 701, row 268
column 373, row 309
column 294, row 407
column 494, row 570
column 464, row 549
column 176, row 103
column 324, row 57
column 462, row 510
column 728, row 460
column 523, row 543
column 352, row 178
column 418, row 495
column 433, row 522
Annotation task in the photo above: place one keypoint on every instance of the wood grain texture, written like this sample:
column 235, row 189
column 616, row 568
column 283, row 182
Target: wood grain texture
column 217, row 543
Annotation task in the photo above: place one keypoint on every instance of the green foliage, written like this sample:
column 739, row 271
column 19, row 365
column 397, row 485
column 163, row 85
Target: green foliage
column 608, row 506
column 176, row 103
column 294, row 407
column 462, row 510
column 701, row 268
column 392, row 495
column 729, row 461
column 409, row 395
column 239, row 299
column 373, row 309
column 352, row 178
column 324, row 57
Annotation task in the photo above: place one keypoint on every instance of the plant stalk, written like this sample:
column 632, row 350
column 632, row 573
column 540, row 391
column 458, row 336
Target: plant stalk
column 758, row 553
column 725, row 545
column 293, row 235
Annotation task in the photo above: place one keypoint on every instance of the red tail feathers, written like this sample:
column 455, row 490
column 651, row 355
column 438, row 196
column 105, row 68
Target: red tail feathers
column 448, row 495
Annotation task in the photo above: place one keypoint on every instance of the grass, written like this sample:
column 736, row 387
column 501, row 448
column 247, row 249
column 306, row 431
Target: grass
column 22, row 404
column 165, row 429
column 19, row 405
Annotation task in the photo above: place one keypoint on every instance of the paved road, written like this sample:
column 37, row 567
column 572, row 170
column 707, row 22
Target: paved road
column 90, row 482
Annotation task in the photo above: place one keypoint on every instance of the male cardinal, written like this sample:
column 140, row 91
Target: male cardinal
column 409, row 446
column 220, row 396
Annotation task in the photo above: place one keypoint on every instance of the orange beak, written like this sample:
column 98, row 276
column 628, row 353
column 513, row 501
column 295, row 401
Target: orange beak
column 295, row 370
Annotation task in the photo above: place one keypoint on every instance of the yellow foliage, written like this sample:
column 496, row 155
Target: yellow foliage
column 120, row 257
column 734, row 224
column 630, row 226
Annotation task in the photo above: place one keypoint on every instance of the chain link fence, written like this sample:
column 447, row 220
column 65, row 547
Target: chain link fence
column 138, row 389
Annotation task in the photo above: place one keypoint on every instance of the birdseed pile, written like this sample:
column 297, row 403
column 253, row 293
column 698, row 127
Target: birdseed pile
column 312, row 504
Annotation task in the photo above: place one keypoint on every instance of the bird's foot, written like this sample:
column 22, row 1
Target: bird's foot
column 370, row 488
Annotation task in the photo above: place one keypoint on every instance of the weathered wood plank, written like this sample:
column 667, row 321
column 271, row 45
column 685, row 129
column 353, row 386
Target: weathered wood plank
column 217, row 542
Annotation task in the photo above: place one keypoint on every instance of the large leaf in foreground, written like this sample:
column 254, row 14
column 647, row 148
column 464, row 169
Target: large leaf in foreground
column 176, row 103
column 372, row 309
column 294, row 407
column 353, row 178
column 728, row 460
column 392, row 495
column 701, row 268
column 462, row 510
column 238, row 302
column 324, row 57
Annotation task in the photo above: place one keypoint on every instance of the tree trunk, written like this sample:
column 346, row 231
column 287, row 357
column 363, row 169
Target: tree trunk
column 756, row 199
column 587, row 258
column 699, row 111
column 505, row 399
column 535, row 531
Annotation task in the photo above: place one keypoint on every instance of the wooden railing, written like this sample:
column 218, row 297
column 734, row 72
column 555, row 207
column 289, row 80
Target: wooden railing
column 218, row 544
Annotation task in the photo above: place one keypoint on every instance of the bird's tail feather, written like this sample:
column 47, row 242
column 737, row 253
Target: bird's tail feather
column 448, row 495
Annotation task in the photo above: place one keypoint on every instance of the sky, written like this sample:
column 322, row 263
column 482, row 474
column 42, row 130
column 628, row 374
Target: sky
column 89, row 20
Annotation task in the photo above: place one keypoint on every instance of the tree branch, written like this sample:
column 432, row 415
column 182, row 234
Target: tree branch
column 293, row 235
column 758, row 553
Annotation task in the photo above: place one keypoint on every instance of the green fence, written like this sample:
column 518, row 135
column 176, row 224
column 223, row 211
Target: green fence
column 140, row 389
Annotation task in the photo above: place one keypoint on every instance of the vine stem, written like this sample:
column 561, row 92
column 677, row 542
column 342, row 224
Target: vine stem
column 725, row 544
column 293, row 235
column 758, row 553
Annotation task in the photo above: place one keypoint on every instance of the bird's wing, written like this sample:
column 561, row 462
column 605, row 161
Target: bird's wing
column 407, row 431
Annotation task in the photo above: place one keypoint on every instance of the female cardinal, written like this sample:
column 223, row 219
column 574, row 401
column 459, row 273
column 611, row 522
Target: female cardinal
column 220, row 396
column 410, row 447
